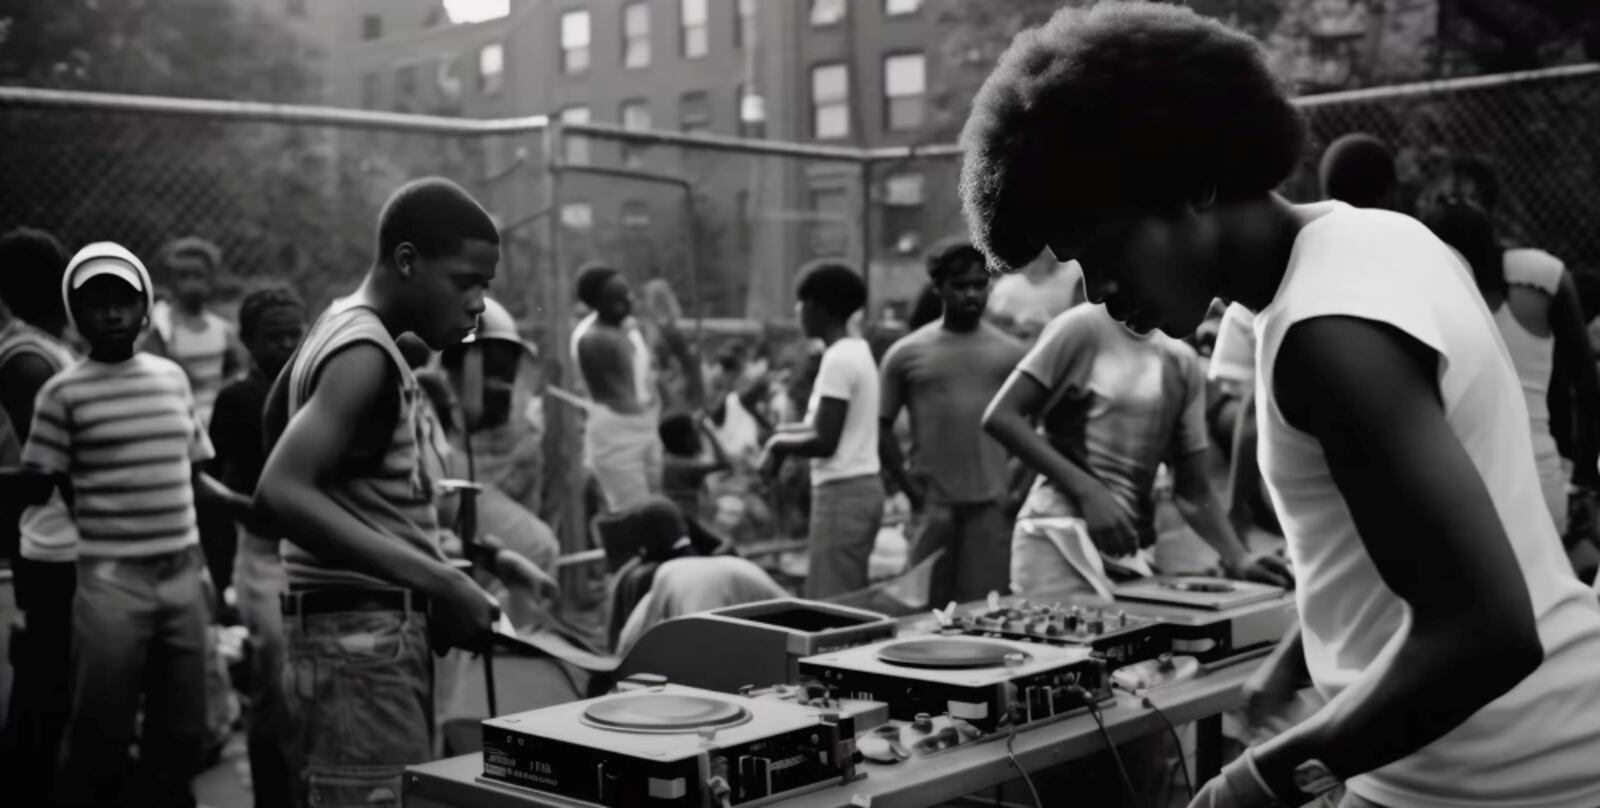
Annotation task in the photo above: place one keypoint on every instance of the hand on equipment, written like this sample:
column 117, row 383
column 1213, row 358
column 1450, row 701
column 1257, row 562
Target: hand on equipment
column 1265, row 568
column 1236, row 787
column 1109, row 524
column 463, row 615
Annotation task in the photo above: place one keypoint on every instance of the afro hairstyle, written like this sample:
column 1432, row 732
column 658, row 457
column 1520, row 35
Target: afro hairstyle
column 948, row 257
column 1125, row 106
column 263, row 300
column 435, row 216
column 679, row 434
column 1358, row 169
column 31, row 265
column 832, row 287
column 591, row 283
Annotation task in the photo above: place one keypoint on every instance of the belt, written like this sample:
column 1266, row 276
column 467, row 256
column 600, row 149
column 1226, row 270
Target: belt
column 329, row 601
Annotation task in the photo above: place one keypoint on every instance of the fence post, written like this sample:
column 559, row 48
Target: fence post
column 563, row 418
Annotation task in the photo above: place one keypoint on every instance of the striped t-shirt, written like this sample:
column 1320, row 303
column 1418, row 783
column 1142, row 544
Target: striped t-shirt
column 203, row 355
column 126, row 435
column 396, row 497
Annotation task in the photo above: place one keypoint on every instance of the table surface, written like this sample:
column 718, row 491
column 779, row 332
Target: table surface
column 920, row 781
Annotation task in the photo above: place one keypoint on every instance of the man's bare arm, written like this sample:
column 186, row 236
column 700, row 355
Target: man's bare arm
column 308, row 458
column 1369, row 394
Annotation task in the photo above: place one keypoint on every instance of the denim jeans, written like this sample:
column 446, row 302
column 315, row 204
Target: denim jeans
column 845, row 517
column 358, row 688
column 259, row 581
column 138, row 631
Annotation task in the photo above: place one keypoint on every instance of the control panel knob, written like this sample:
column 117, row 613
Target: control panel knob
column 922, row 723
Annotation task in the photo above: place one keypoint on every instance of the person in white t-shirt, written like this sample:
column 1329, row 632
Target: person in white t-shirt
column 839, row 434
column 1438, row 612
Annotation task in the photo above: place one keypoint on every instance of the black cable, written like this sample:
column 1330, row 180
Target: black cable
column 488, row 678
column 1094, row 711
column 1183, row 762
column 1011, row 738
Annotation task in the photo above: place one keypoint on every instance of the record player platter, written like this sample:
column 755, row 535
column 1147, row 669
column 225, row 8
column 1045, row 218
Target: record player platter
column 663, row 712
column 952, row 652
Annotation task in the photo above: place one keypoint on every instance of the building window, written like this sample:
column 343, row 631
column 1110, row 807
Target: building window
column 447, row 75
column 635, row 214
column 903, row 197
column 904, row 91
column 695, row 112
column 405, row 82
column 752, row 113
column 577, row 216
column 744, row 22
column 575, row 147
column 636, row 35
column 371, row 86
column 827, row 12
column 695, row 36
column 830, row 235
column 575, row 42
column 895, row 8
column 371, row 26
column 634, row 115
column 491, row 68
column 830, row 101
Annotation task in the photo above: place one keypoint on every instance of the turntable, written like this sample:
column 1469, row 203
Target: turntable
column 1197, row 592
column 668, row 745
column 985, row 682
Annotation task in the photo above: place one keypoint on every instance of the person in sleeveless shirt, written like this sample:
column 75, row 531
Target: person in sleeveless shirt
column 1536, row 309
column 1437, row 610
column 370, row 591
column 41, row 541
column 620, row 445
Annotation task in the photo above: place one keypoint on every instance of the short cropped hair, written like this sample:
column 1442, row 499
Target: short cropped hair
column 1121, row 106
column 192, row 246
column 832, row 287
column 31, row 265
column 263, row 300
column 435, row 216
column 1358, row 169
column 950, row 257
column 679, row 435
column 1470, row 230
column 592, row 280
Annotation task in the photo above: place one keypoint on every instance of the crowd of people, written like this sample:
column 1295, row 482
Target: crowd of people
column 1404, row 398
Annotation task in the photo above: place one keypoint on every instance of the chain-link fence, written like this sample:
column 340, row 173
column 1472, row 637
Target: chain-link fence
column 712, row 230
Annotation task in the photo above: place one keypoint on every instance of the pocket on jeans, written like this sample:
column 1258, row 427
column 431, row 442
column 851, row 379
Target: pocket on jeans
column 355, row 788
column 371, row 643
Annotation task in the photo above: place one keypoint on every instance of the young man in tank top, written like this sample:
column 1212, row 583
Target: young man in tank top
column 370, row 591
column 620, row 443
column 1437, row 609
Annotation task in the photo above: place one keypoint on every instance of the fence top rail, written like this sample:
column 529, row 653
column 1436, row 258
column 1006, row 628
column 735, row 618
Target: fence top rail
column 73, row 100
column 333, row 116
column 1441, row 85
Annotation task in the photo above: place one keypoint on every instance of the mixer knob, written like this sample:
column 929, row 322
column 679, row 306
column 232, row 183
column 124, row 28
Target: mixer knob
column 1122, row 618
column 1097, row 626
column 922, row 723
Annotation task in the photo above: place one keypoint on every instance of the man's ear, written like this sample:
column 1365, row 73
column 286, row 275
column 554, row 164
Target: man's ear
column 404, row 257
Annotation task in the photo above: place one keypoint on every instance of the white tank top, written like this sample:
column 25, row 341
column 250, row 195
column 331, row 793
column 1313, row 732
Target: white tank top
column 1539, row 744
column 1533, row 356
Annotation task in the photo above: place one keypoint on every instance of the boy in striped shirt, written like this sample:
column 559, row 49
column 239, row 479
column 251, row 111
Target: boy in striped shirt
column 117, row 434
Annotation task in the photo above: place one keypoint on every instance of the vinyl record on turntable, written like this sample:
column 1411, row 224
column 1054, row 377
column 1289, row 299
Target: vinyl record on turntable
column 952, row 652
column 663, row 712
column 1197, row 591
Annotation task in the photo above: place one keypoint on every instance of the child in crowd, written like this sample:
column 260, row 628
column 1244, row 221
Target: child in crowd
column 117, row 433
column 688, row 463
column 271, row 321
column 840, row 434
